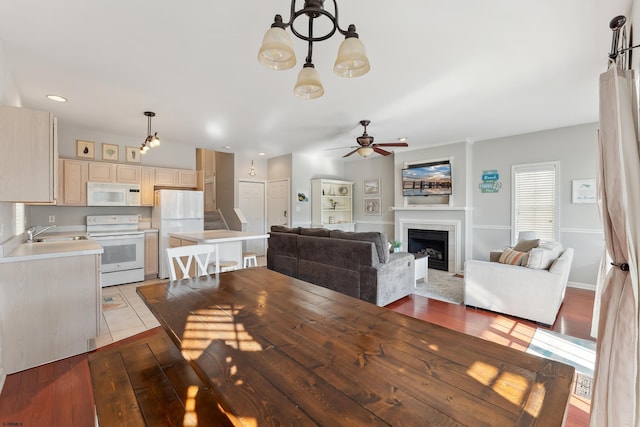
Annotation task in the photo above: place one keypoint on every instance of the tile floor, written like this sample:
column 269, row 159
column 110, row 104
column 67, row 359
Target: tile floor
column 120, row 323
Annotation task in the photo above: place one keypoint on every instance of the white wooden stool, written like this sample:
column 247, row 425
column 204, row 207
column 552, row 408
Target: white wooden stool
column 224, row 266
column 249, row 258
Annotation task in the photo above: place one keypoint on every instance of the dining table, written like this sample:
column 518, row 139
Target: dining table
column 279, row 351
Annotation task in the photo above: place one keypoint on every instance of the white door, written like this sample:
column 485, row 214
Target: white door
column 278, row 203
column 251, row 201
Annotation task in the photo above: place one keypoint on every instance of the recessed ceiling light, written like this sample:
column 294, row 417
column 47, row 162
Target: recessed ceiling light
column 57, row 98
column 262, row 154
column 402, row 139
column 227, row 147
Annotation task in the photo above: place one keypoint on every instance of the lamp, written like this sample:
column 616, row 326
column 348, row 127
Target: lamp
column 252, row 170
column 277, row 53
column 365, row 151
column 151, row 140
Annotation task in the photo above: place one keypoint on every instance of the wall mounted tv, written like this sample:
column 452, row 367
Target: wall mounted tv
column 427, row 179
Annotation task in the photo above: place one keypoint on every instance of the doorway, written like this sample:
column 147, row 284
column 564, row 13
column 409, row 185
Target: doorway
column 278, row 206
column 251, row 201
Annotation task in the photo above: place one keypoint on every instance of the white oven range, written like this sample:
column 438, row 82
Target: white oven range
column 123, row 244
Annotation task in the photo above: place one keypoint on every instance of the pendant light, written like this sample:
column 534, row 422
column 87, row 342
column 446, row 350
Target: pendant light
column 151, row 140
column 277, row 53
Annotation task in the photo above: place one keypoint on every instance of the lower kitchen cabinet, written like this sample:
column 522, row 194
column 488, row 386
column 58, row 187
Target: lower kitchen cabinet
column 49, row 309
column 150, row 254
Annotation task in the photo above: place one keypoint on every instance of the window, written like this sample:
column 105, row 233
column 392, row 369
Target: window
column 535, row 200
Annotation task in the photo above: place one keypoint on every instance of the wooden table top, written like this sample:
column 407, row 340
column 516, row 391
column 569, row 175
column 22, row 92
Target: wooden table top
column 280, row 351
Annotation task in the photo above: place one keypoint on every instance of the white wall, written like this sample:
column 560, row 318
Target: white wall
column 580, row 226
column 373, row 167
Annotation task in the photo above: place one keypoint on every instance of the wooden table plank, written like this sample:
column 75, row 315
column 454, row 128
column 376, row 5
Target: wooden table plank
column 279, row 349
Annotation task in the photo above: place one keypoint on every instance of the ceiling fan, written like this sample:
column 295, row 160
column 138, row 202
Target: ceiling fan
column 366, row 146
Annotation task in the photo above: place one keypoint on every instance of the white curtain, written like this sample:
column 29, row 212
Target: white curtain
column 616, row 394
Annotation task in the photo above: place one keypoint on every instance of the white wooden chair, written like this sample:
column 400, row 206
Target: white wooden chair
column 184, row 256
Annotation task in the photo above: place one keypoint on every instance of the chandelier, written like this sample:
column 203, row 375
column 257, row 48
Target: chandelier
column 277, row 53
column 151, row 140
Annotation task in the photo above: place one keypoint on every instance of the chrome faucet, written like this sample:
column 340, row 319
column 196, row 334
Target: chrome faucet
column 31, row 232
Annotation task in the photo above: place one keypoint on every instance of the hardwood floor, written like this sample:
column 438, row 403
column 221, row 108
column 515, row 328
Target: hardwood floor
column 60, row 393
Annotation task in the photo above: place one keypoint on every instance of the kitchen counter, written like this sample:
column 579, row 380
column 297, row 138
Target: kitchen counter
column 20, row 251
column 218, row 236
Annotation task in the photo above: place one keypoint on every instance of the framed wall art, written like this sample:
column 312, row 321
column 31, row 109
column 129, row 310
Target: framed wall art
column 110, row 152
column 85, row 149
column 372, row 206
column 371, row 187
column 133, row 155
column 584, row 191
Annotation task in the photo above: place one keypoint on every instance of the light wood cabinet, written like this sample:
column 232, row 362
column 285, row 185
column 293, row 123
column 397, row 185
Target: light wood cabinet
column 74, row 175
column 102, row 172
column 332, row 204
column 49, row 309
column 128, row 174
column 29, row 159
column 180, row 178
column 147, row 180
column 150, row 254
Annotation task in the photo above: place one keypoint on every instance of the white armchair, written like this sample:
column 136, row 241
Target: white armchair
column 518, row 291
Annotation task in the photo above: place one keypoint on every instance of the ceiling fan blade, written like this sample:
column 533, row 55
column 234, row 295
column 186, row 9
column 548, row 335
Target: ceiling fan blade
column 381, row 151
column 350, row 153
column 392, row 144
column 341, row 148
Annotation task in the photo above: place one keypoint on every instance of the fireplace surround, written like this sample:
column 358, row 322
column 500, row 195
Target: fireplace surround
column 434, row 243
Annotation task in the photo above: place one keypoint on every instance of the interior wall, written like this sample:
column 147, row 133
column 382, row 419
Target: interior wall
column 226, row 183
column 371, row 168
column 575, row 148
column 306, row 168
column 171, row 154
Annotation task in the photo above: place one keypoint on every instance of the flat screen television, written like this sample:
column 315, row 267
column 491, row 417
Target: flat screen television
column 427, row 179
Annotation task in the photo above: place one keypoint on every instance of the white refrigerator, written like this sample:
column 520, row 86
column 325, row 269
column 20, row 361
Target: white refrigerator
column 175, row 211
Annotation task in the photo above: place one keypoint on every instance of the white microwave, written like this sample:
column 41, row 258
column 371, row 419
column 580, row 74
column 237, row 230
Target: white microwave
column 112, row 194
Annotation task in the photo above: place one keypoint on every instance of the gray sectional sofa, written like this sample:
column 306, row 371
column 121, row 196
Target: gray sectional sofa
column 355, row 264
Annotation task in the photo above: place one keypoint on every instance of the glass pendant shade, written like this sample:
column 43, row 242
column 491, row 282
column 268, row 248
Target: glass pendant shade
column 352, row 59
column 365, row 151
column 154, row 141
column 308, row 85
column 276, row 51
column 144, row 149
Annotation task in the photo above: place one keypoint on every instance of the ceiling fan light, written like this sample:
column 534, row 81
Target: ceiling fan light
column 308, row 85
column 276, row 51
column 365, row 151
column 352, row 59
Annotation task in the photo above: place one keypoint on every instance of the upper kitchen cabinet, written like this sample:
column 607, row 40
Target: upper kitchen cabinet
column 114, row 172
column 73, row 179
column 29, row 159
column 180, row 178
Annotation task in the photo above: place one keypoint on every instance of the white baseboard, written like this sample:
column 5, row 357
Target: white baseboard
column 578, row 285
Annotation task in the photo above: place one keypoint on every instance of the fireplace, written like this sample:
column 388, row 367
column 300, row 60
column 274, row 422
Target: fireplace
column 434, row 243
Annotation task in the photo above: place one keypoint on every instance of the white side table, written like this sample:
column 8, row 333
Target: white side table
column 422, row 268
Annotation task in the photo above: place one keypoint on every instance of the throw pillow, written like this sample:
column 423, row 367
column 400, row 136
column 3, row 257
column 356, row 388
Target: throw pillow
column 377, row 238
column 316, row 232
column 283, row 229
column 526, row 245
column 512, row 257
column 542, row 257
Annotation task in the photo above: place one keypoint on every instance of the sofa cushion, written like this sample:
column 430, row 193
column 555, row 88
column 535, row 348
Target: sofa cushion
column 317, row 232
column 377, row 238
column 283, row 229
column 544, row 255
column 512, row 257
column 526, row 245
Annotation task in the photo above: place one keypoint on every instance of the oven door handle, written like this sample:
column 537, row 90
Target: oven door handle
column 119, row 237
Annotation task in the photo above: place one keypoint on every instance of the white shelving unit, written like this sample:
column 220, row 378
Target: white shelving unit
column 332, row 204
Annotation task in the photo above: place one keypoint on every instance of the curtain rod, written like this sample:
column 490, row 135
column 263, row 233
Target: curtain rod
column 616, row 24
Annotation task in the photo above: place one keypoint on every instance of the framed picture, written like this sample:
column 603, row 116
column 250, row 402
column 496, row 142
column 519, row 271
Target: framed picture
column 371, row 187
column 110, row 152
column 584, row 191
column 133, row 154
column 85, row 149
column 372, row 206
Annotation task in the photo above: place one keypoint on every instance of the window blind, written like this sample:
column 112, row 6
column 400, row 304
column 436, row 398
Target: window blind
column 535, row 200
